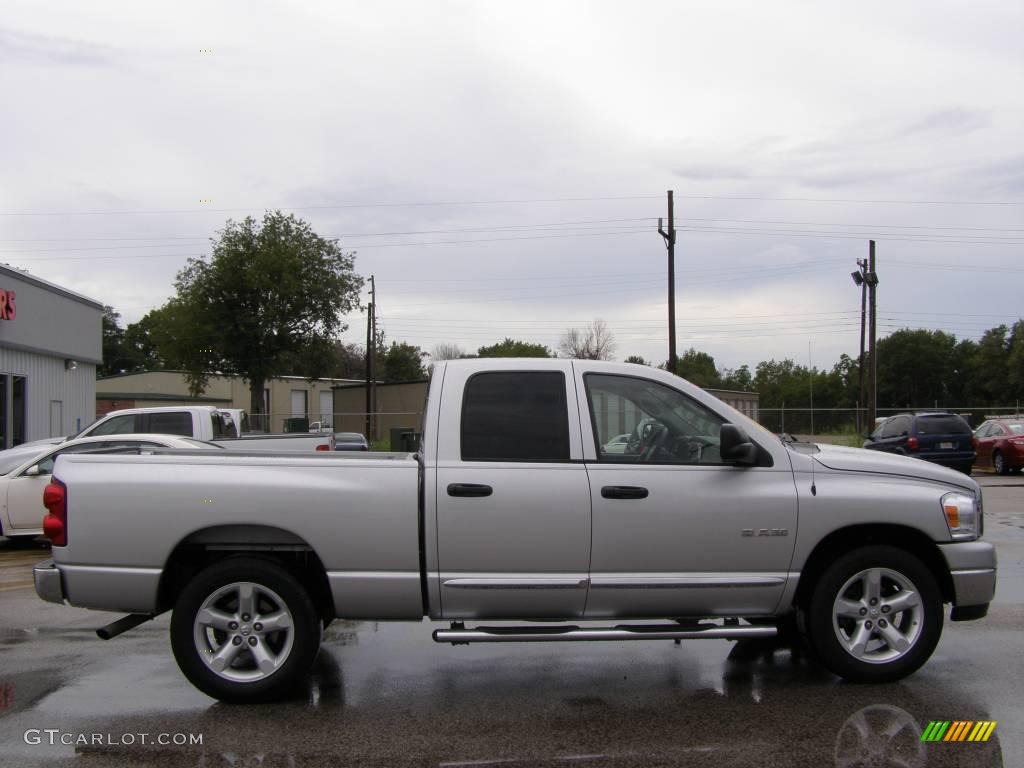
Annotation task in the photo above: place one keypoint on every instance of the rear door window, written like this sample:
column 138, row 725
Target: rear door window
column 515, row 416
column 169, row 423
column 896, row 427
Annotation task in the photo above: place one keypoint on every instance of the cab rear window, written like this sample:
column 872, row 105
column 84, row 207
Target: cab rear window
column 942, row 425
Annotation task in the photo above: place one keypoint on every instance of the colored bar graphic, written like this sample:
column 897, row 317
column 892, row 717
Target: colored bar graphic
column 958, row 730
column 935, row 731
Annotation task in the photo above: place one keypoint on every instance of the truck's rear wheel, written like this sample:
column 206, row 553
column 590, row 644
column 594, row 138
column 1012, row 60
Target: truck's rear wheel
column 244, row 630
column 875, row 615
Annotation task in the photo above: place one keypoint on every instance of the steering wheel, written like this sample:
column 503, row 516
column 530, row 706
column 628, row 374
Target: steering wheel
column 695, row 448
column 654, row 437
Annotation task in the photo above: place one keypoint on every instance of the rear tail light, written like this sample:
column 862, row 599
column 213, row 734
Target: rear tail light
column 55, row 524
column 323, row 447
column 912, row 443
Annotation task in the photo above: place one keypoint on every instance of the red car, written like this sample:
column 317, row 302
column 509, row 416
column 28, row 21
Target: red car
column 1000, row 445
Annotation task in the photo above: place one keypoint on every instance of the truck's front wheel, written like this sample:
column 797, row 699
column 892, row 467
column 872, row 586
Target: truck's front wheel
column 244, row 630
column 875, row 615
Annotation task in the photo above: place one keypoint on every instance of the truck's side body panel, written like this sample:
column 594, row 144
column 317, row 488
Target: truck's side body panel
column 359, row 515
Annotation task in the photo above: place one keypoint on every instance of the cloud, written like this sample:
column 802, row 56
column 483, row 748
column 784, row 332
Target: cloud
column 955, row 121
column 714, row 171
column 54, row 51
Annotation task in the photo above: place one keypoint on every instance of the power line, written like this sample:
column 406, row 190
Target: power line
column 519, row 201
column 851, row 200
column 843, row 236
column 335, row 206
column 540, row 226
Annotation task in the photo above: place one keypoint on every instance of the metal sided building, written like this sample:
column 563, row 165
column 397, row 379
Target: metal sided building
column 51, row 340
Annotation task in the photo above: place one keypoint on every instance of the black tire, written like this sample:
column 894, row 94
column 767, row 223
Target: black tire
column 999, row 464
column 221, row 592
column 852, row 644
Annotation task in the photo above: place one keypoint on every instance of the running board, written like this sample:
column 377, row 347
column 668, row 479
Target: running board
column 458, row 635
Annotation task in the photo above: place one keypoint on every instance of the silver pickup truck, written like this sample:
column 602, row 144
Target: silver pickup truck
column 703, row 526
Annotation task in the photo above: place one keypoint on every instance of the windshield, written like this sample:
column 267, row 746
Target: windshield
column 202, row 444
column 10, row 461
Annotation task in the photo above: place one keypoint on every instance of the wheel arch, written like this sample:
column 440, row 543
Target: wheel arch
column 213, row 544
column 853, row 537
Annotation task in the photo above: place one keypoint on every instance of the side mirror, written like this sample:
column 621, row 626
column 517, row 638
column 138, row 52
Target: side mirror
column 734, row 445
column 32, row 471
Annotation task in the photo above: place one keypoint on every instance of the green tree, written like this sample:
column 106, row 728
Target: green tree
column 154, row 341
column 403, row 362
column 915, row 368
column 1014, row 391
column 514, row 348
column 271, row 291
column 636, row 359
column 739, row 379
column 698, row 368
column 116, row 354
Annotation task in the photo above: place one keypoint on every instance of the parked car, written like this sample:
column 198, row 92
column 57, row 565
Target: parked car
column 1000, row 445
column 510, row 511
column 203, row 422
column 25, row 471
column 617, row 444
column 350, row 441
column 942, row 438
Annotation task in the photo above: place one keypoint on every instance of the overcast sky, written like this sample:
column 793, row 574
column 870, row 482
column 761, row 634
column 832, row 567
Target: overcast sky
column 500, row 167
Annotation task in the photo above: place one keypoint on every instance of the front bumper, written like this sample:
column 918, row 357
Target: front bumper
column 972, row 567
column 49, row 585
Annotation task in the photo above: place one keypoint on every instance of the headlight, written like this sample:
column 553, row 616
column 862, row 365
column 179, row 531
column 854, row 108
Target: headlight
column 963, row 515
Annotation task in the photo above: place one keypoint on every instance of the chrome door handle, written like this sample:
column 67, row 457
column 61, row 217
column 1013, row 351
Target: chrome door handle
column 623, row 492
column 470, row 490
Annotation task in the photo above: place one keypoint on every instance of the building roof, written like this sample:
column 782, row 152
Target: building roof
column 158, row 396
column 48, row 286
column 288, row 377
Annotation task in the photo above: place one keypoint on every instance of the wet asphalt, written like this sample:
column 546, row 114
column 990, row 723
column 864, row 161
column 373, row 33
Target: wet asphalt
column 385, row 694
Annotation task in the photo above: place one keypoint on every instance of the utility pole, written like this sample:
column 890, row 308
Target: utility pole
column 859, row 278
column 872, row 280
column 670, row 244
column 371, row 344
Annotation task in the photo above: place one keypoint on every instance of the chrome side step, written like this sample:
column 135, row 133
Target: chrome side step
column 459, row 635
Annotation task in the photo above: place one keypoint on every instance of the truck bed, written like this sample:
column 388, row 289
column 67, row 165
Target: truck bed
column 359, row 514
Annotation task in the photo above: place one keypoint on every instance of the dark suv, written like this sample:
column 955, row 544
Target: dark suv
column 943, row 438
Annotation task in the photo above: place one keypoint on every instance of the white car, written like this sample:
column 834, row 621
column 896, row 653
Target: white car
column 617, row 444
column 25, row 471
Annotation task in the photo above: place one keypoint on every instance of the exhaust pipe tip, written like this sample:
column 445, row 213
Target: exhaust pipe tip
column 122, row 625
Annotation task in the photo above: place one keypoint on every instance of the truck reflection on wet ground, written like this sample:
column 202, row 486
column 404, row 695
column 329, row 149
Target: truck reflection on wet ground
column 761, row 705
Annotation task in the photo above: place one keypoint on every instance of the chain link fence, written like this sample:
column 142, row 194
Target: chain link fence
column 853, row 421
